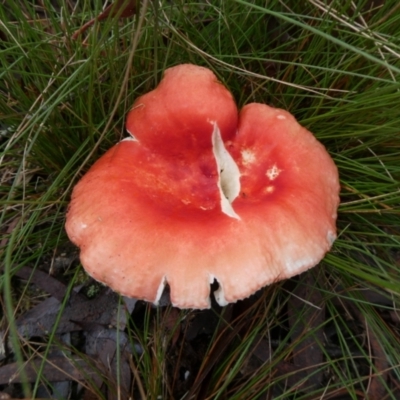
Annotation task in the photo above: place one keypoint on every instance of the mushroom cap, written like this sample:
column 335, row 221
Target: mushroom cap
column 148, row 213
column 180, row 110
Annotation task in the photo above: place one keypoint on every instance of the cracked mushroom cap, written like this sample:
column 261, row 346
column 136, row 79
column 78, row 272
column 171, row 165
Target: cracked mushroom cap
column 202, row 193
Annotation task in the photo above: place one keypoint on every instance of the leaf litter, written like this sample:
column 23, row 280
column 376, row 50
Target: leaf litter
column 93, row 344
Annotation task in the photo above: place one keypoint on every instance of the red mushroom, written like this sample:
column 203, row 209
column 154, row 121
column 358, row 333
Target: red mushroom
column 201, row 193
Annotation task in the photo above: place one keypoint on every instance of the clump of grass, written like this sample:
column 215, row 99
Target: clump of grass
column 334, row 66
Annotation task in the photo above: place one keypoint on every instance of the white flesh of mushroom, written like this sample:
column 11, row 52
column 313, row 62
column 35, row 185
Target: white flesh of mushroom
column 228, row 174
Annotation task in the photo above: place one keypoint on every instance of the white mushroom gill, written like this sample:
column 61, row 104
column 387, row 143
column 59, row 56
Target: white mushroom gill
column 160, row 289
column 228, row 174
column 129, row 138
column 220, row 296
column 219, row 293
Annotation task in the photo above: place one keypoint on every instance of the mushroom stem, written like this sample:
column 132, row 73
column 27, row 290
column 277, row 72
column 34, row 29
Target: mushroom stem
column 228, row 174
